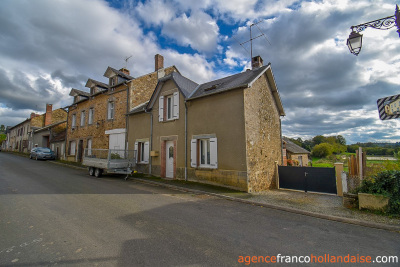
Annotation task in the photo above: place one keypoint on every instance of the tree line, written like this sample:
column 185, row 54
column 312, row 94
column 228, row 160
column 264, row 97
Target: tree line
column 323, row 146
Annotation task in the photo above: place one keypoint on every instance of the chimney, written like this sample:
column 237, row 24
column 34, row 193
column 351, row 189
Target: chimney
column 256, row 62
column 48, row 115
column 126, row 71
column 33, row 115
column 159, row 62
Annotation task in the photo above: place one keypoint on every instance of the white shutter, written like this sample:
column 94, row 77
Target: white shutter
column 146, row 152
column 193, row 153
column 176, row 105
column 213, row 153
column 161, row 109
column 136, row 152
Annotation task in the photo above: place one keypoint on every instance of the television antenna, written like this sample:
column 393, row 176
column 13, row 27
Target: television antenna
column 253, row 38
column 126, row 61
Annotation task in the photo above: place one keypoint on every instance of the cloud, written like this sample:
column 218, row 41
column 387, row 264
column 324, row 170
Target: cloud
column 198, row 30
column 155, row 12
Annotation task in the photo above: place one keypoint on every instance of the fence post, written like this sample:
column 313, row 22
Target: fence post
column 339, row 170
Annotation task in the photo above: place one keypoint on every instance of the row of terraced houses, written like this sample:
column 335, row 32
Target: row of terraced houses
column 225, row 132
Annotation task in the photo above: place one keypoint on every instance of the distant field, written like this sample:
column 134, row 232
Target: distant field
column 379, row 158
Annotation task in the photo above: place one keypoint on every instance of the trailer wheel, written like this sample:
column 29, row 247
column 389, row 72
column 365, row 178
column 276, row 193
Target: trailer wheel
column 91, row 171
column 98, row 172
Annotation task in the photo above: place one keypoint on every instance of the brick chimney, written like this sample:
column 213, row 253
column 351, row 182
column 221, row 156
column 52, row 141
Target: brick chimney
column 48, row 115
column 256, row 62
column 33, row 115
column 126, row 71
column 159, row 62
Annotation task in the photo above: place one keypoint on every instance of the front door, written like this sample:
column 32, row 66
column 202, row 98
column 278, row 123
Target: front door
column 169, row 159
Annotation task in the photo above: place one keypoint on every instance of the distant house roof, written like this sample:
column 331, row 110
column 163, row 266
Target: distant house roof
column 293, row 148
column 185, row 86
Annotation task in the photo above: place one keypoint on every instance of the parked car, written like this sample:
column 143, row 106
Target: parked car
column 42, row 153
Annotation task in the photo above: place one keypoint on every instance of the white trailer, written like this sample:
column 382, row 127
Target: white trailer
column 99, row 161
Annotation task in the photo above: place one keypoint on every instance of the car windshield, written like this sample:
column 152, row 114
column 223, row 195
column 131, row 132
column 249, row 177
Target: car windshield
column 47, row 150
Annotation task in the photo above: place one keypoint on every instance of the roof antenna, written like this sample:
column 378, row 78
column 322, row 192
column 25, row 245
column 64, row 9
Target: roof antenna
column 252, row 38
column 126, row 61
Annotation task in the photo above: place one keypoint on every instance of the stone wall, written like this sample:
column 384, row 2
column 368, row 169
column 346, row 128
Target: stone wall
column 263, row 136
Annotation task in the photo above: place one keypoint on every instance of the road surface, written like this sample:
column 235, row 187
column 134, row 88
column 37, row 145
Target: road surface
column 55, row 215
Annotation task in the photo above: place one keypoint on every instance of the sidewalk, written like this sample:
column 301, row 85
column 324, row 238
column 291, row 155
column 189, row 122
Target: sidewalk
column 311, row 204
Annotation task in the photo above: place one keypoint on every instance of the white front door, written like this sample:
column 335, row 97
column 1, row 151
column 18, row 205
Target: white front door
column 169, row 159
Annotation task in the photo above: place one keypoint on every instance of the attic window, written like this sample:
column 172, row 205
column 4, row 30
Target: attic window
column 211, row 88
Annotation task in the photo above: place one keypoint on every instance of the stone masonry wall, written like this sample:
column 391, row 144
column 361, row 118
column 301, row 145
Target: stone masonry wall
column 263, row 136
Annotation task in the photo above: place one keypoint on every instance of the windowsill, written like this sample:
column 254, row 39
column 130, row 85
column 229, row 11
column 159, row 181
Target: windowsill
column 206, row 168
column 143, row 163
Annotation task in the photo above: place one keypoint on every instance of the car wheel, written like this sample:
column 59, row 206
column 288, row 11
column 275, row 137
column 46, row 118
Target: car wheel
column 91, row 171
column 98, row 172
column 36, row 158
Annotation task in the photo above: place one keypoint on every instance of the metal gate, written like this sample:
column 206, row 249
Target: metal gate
column 308, row 179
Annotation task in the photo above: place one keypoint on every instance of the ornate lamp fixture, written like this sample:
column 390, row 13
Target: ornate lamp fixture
column 354, row 42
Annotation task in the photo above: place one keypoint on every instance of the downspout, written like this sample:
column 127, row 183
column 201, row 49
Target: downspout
column 127, row 117
column 151, row 138
column 66, row 137
column 186, row 178
column 280, row 128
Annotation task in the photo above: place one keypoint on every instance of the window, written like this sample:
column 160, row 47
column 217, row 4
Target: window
column 91, row 115
column 73, row 123
column 89, row 147
column 110, row 110
column 83, row 113
column 142, row 151
column 204, row 153
column 113, row 80
column 72, row 148
column 168, row 107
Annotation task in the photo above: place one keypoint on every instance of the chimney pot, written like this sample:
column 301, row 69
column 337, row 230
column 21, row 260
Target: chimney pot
column 126, row 71
column 48, row 115
column 159, row 62
column 256, row 62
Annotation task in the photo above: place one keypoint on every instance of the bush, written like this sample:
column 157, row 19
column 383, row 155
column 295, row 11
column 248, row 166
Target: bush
column 385, row 183
column 322, row 150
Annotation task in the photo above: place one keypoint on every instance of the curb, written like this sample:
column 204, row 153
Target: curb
column 381, row 226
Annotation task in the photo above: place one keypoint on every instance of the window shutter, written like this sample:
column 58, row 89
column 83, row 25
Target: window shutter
column 176, row 105
column 136, row 152
column 146, row 152
column 161, row 109
column 193, row 153
column 213, row 153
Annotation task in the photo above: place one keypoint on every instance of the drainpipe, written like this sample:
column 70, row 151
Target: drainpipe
column 127, row 117
column 151, row 138
column 280, row 128
column 186, row 140
column 66, row 137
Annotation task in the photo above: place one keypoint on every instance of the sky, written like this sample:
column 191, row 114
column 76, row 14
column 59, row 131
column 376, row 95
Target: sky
column 48, row 47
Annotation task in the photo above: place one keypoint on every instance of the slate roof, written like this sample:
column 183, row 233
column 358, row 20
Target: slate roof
column 240, row 80
column 120, row 73
column 293, row 148
column 139, row 108
column 75, row 92
column 100, row 84
column 185, row 85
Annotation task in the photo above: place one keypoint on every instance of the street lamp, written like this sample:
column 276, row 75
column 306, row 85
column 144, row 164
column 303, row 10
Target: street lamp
column 354, row 42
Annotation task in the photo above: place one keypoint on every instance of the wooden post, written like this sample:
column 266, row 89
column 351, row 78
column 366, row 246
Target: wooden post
column 339, row 170
column 360, row 163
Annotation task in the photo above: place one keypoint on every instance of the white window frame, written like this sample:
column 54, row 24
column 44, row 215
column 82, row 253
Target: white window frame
column 142, row 149
column 209, row 146
column 170, row 105
column 89, row 146
column 83, row 117
column 110, row 110
column 90, row 116
column 73, row 123
column 72, row 148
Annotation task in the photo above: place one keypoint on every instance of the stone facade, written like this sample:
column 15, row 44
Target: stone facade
column 263, row 136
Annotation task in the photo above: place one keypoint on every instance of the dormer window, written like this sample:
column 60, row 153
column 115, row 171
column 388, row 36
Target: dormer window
column 113, row 80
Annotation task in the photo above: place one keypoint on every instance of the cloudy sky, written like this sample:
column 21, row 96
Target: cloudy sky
column 48, row 47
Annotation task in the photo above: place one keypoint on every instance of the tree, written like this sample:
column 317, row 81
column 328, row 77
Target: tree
column 341, row 140
column 2, row 128
column 322, row 150
column 319, row 139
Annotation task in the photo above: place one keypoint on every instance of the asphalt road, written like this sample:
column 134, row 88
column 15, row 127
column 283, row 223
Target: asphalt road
column 55, row 215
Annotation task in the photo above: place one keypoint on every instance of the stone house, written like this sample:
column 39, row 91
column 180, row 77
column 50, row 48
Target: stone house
column 22, row 136
column 97, row 119
column 294, row 154
column 225, row 132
